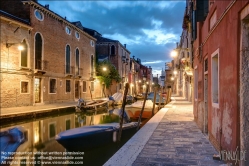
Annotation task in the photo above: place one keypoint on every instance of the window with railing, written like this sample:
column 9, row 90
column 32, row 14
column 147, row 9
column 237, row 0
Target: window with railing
column 38, row 51
column 77, row 62
column 67, row 59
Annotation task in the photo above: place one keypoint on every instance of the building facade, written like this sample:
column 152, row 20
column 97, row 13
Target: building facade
column 221, row 73
column 57, row 64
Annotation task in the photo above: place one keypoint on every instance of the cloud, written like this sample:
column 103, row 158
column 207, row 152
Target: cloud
column 149, row 28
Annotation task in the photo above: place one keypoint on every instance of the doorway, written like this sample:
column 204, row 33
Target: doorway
column 76, row 90
column 37, row 90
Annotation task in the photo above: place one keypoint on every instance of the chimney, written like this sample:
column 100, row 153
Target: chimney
column 47, row 6
column 176, row 44
column 125, row 45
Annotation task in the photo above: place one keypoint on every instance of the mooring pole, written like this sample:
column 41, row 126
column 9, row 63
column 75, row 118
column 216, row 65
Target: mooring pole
column 123, row 110
column 141, row 113
column 154, row 102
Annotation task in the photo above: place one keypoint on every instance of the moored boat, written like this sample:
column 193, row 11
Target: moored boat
column 89, row 137
column 93, row 104
column 133, row 111
column 10, row 140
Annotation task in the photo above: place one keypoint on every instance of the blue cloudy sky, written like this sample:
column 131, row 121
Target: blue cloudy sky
column 150, row 29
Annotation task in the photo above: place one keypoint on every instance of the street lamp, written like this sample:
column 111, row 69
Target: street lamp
column 173, row 53
column 20, row 46
column 104, row 69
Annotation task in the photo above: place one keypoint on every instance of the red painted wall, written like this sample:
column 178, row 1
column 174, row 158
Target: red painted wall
column 224, row 120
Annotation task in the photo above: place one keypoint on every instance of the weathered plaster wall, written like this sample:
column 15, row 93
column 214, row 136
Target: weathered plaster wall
column 244, row 89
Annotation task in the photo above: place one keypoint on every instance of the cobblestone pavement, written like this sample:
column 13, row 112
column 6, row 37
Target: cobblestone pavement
column 177, row 141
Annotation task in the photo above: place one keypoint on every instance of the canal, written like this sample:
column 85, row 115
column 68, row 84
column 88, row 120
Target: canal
column 41, row 148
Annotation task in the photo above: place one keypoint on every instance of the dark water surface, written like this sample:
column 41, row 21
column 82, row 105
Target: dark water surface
column 41, row 148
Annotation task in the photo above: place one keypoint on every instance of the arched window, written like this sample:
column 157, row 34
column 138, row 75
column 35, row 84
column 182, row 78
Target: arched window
column 92, row 69
column 38, row 51
column 77, row 61
column 112, row 50
column 24, row 54
column 67, row 59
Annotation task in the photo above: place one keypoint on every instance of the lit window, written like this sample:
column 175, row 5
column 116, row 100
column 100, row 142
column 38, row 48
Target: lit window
column 68, row 85
column 77, row 35
column 52, row 86
column 24, row 55
column 39, row 15
column 24, row 87
column 68, row 30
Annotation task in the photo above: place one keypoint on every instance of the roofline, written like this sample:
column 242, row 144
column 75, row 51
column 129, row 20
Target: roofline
column 56, row 16
column 20, row 24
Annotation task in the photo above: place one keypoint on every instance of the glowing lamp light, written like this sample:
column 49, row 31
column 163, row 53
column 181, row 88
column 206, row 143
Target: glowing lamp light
column 20, row 47
column 172, row 78
column 173, row 53
column 175, row 72
column 104, row 69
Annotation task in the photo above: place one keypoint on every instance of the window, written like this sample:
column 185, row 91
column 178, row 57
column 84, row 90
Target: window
column 68, row 124
column 196, row 83
column 92, row 86
column 38, row 51
column 67, row 59
column 24, row 55
column 68, row 86
column 112, row 50
column 52, row 86
column 24, row 87
column 212, row 20
column 215, row 78
column 68, row 30
column 39, row 15
column 77, row 62
column 77, row 35
column 92, row 43
column 52, row 131
column 84, row 86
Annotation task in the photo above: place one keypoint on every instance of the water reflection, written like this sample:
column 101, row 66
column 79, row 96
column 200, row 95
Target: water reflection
column 40, row 139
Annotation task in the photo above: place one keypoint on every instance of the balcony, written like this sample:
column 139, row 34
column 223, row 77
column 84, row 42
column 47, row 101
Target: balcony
column 40, row 66
column 69, row 71
column 78, row 72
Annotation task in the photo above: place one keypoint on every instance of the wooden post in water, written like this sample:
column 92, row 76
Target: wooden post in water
column 154, row 102
column 90, row 93
column 141, row 113
column 123, row 110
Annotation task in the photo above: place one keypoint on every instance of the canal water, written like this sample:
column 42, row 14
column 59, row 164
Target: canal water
column 41, row 148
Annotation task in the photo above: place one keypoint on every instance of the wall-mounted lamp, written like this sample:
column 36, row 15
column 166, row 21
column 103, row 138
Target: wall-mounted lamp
column 20, row 46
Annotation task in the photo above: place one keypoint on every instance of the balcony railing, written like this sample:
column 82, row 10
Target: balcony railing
column 78, row 72
column 69, row 70
column 40, row 66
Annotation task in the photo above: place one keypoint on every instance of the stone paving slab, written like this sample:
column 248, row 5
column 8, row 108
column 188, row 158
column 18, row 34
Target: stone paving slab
column 128, row 153
column 177, row 141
